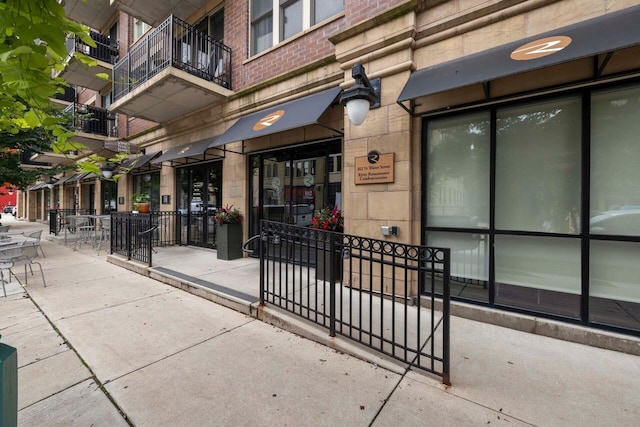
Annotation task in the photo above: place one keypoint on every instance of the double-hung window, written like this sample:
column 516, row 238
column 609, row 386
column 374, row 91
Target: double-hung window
column 288, row 18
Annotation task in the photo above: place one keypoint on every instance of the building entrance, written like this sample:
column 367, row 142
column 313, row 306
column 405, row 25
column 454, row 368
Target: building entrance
column 290, row 185
column 199, row 197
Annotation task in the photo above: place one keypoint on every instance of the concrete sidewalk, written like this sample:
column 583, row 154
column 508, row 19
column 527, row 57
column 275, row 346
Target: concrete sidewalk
column 102, row 345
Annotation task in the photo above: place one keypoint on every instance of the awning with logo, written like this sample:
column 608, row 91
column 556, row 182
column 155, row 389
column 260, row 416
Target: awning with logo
column 137, row 163
column 600, row 35
column 290, row 115
column 187, row 153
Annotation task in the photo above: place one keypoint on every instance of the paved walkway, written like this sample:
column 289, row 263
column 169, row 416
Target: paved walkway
column 104, row 346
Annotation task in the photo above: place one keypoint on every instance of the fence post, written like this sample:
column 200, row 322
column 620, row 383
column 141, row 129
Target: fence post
column 129, row 228
column 263, row 238
column 446, row 299
column 332, row 285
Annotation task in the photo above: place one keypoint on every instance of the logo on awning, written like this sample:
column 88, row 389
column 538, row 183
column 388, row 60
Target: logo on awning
column 541, row 47
column 268, row 120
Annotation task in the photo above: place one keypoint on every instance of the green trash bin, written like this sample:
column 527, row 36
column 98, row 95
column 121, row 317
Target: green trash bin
column 8, row 386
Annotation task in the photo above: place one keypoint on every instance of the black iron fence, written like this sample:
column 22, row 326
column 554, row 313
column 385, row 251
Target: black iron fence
column 174, row 43
column 135, row 235
column 361, row 288
column 90, row 119
column 58, row 218
column 105, row 50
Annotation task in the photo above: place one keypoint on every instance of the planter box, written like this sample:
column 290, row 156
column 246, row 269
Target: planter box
column 229, row 241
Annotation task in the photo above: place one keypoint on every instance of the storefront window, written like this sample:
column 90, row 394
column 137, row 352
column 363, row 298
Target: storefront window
column 458, row 177
column 615, row 156
column 294, row 197
column 539, row 273
column 148, row 183
column 538, row 172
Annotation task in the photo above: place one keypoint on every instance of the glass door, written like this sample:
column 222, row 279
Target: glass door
column 199, row 197
column 290, row 185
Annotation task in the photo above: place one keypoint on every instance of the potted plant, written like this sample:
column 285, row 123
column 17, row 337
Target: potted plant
column 328, row 219
column 141, row 202
column 229, row 234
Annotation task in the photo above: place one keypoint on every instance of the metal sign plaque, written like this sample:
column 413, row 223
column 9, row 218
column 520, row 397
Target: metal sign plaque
column 374, row 168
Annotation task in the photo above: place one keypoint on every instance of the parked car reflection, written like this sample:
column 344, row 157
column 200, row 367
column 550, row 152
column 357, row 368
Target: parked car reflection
column 624, row 222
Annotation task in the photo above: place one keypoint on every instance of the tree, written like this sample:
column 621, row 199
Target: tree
column 12, row 147
column 32, row 46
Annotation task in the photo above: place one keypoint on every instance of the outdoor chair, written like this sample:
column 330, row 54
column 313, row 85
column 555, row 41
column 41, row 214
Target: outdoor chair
column 4, row 229
column 85, row 231
column 5, row 265
column 35, row 237
column 22, row 254
column 105, row 232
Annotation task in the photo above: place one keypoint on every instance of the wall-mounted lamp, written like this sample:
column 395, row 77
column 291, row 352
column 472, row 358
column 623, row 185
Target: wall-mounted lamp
column 10, row 191
column 107, row 171
column 360, row 97
column 50, row 182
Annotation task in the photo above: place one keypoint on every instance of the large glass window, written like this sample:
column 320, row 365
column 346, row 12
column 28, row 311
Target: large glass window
column 538, row 273
column 615, row 161
column 458, row 177
column 538, row 160
column 504, row 190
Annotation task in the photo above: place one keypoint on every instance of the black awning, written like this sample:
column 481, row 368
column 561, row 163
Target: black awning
column 290, row 115
column 139, row 161
column 604, row 34
column 187, row 153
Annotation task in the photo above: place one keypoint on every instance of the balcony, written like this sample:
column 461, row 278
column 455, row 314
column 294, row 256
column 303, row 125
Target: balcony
column 78, row 74
column 92, row 125
column 174, row 70
column 93, row 13
column 153, row 12
column 62, row 100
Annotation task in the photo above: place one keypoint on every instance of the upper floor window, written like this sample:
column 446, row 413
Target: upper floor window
column 323, row 9
column 288, row 17
column 139, row 28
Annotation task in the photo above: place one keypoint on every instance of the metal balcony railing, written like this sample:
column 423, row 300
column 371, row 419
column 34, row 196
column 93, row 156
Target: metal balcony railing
column 173, row 43
column 106, row 49
column 90, row 119
column 69, row 94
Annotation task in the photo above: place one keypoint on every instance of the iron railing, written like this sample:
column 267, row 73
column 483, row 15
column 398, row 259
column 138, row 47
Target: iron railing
column 373, row 304
column 106, row 49
column 68, row 95
column 173, row 43
column 131, row 236
column 58, row 218
column 90, row 119
column 135, row 235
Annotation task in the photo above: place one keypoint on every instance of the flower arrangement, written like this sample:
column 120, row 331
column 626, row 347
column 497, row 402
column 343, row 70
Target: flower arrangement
column 328, row 219
column 141, row 197
column 228, row 215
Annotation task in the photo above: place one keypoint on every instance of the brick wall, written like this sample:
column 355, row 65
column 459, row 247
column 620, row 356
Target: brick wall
column 306, row 49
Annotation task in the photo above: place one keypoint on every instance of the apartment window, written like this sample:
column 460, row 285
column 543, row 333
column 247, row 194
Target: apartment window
column 139, row 28
column 323, row 9
column 289, row 17
column 261, row 25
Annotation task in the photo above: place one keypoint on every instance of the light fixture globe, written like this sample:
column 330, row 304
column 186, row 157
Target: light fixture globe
column 106, row 171
column 357, row 110
column 360, row 97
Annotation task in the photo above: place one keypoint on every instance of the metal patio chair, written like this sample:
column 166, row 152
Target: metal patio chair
column 22, row 254
column 35, row 237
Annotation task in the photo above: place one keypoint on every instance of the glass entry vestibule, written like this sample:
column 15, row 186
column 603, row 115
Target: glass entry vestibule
column 539, row 203
column 289, row 185
column 199, row 196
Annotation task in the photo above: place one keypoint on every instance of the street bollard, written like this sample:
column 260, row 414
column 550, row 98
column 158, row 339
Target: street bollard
column 8, row 386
